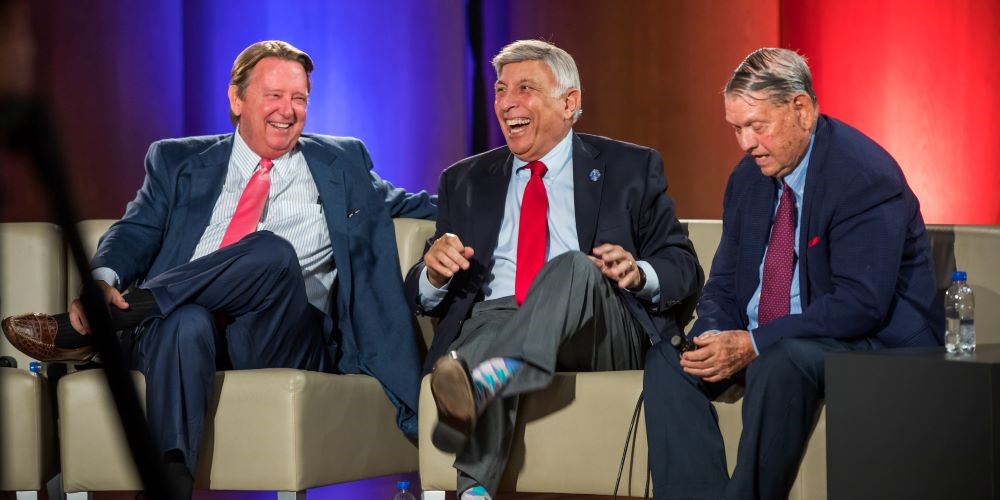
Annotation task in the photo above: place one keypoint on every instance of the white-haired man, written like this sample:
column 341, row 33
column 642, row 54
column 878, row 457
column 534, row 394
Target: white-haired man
column 559, row 251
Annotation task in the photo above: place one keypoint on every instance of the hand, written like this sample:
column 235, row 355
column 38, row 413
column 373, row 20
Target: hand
column 720, row 356
column 618, row 265
column 446, row 257
column 111, row 297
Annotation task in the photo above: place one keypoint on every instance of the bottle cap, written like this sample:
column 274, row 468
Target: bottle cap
column 402, row 485
column 35, row 367
column 958, row 276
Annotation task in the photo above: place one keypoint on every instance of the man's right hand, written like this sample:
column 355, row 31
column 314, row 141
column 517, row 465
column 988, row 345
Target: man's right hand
column 111, row 297
column 446, row 257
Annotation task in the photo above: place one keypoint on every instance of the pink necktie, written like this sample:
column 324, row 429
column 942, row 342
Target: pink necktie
column 532, row 231
column 251, row 205
column 779, row 263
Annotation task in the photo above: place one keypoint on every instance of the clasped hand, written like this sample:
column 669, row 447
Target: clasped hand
column 719, row 356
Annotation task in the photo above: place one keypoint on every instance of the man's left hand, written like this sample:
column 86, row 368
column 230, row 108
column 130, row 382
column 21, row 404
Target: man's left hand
column 617, row 264
column 719, row 356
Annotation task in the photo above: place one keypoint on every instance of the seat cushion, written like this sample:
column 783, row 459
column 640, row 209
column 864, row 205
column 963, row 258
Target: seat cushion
column 27, row 459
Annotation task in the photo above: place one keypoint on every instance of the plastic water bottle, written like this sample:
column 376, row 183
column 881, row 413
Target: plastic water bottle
column 959, row 313
column 404, row 491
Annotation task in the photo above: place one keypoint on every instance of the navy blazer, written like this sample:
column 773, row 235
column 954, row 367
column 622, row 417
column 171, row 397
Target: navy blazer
column 626, row 205
column 865, row 267
column 184, row 177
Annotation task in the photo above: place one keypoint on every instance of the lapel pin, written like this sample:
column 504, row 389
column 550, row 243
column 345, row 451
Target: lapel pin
column 595, row 175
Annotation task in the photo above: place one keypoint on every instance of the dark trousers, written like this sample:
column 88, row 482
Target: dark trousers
column 784, row 389
column 572, row 320
column 241, row 307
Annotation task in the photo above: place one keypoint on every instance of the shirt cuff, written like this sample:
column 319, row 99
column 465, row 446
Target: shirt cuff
column 430, row 296
column 107, row 275
column 753, row 343
column 651, row 290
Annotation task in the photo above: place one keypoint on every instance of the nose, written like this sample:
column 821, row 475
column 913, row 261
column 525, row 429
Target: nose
column 746, row 139
column 505, row 102
column 285, row 107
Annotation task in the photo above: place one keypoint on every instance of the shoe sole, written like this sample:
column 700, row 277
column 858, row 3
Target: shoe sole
column 453, row 396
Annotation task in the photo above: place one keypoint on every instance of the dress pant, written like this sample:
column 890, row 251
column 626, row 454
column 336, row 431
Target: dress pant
column 571, row 320
column 240, row 307
column 784, row 388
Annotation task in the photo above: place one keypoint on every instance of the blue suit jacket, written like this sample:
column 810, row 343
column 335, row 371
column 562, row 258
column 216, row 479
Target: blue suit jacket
column 184, row 177
column 865, row 266
column 626, row 205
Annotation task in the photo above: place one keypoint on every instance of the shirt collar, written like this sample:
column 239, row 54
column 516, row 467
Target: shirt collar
column 797, row 178
column 246, row 160
column 556, row 159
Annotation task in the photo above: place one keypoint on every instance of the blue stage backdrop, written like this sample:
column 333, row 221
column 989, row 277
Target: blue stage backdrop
column 397, row 74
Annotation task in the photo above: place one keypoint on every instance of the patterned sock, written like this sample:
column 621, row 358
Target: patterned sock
column 492, row 375
column 476, row 492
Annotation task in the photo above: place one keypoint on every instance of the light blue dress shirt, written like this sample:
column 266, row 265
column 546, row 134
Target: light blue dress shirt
column 563, row 238
column 796, row 180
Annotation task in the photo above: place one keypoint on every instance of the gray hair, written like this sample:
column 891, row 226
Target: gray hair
column 781, row 73
column 558, row 60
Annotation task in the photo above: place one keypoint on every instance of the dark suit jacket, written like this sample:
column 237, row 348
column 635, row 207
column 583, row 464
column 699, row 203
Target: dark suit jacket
column 184, row 177
column 627, row 206
column 864, row 260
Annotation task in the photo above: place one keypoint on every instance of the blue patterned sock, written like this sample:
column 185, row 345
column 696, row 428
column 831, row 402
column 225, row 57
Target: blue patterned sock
column 476, row 493
column 492, row 375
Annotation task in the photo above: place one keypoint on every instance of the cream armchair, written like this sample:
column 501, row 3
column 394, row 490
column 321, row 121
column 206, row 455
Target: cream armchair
column 32, row 278
column 278, row 429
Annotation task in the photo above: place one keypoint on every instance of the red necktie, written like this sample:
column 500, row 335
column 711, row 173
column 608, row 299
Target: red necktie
column 251, row 205
column 532, row 231
column 779, row 264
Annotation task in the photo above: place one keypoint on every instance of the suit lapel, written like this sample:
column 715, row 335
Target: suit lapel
column 586, row 192
column 205, row 180
column 489, row 194
column 808, row 228
column 332, row 189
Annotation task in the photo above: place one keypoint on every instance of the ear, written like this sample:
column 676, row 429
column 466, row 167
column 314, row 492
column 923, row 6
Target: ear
column 573, row 101
column 235, row 103
column 805, row 110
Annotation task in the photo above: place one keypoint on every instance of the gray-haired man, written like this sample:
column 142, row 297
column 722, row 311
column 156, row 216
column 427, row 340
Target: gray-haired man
column 823, row 249
column 589, row 215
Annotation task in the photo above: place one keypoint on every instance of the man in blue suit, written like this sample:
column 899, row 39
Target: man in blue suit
column 823, row 250
column 218, row 288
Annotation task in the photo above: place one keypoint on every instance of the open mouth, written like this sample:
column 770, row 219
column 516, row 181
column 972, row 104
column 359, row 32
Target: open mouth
column 517, row 124
column 282, row 126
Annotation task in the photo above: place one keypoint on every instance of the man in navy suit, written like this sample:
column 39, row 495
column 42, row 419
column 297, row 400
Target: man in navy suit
column 313, row 285
column 559, row 251
column 823, row 249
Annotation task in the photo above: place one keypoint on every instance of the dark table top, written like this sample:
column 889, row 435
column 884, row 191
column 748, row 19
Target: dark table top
column 985, row 353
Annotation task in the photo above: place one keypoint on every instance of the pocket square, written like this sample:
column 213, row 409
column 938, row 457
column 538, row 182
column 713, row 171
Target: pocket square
column 814, row 241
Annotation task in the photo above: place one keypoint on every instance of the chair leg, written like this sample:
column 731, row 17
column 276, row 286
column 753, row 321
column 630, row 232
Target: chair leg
column 27, row 495
column 291, row 495
column 432, row 495
column 80, row 495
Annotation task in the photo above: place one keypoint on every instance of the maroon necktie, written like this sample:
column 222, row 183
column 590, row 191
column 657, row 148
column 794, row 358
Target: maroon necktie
column 779, row 263
column 251, row 205
column 532, row 231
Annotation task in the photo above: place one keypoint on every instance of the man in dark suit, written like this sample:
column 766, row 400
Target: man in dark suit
column 823, row 249
column 589, row 216
column 246, row 250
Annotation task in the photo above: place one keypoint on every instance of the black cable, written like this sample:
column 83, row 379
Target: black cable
column 633, row 430
column 25, row 126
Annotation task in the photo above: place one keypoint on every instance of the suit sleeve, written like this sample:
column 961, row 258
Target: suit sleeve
column 718, row 308
column 866, row 237
column 662, row 243
column 412, row 282
column 130, row 244
column 399, row 202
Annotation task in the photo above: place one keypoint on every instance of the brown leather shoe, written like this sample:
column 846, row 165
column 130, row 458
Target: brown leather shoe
column 34, row 334
column 456, row 404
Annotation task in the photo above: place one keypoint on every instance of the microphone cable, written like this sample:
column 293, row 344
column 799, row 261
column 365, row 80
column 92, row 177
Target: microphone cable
column 631, row 435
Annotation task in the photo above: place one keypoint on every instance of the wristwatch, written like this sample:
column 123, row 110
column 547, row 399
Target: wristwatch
column 642, row 280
